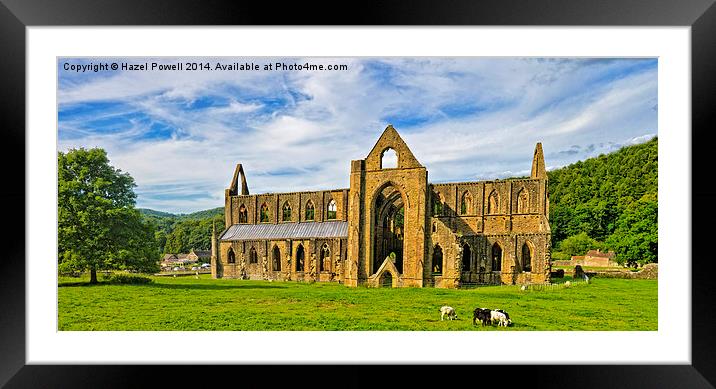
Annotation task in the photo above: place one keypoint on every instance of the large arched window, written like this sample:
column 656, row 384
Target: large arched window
column 253, row 258
column 466, row 203
column 526, row 258
column 493, row 203
column 264, row 213
column 331, row 212
column 437, row 260
column 230, row 256
column 496, row 257
column 389, row 159
column 276, row 259
column 325, row 257
column 310, row 210
column 286, row 212
column 300, row 258
column 523, row 201
column 466, row 257
column 243, row 215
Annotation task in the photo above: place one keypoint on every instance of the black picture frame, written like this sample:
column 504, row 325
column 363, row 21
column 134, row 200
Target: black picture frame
column 700, row 15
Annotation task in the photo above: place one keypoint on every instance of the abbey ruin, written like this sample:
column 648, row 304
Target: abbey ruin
column 390, row 228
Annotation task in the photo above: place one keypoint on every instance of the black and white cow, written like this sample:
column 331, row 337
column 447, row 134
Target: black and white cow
column 481, row 314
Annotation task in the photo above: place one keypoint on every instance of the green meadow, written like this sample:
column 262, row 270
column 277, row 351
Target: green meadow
column 205, row 304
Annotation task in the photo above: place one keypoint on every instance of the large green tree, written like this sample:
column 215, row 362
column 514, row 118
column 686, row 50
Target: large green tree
column 98, row 226
column 636, row 238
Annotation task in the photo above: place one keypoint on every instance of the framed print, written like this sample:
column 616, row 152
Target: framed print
column 83, row 78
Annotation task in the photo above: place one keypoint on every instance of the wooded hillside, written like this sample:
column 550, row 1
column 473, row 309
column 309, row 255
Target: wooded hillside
column 608, row 202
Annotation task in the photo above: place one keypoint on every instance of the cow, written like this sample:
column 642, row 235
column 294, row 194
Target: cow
column 449, row 312
column 501, row 317
column 481, row 314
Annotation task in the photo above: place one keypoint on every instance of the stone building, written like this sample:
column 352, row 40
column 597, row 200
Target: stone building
column 596, row 258
column 392, row 227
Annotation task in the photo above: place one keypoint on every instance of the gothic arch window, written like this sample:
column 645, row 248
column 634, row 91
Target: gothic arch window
column 286, row 212
column 243, row 215
column 300, row 258
column 493, row 203
column 276, row 259
column 310, row 211
column 496, row 257
column 523, row 201
column 325, row 257
column 438, row 205
column 253, row 258
column 437, row 260
column 331, row 211
column 466, row 257
column 526, row 258
column 264, row 213
column 230, row 256
column 466, row 203
column 435, row 227
column 388, row 159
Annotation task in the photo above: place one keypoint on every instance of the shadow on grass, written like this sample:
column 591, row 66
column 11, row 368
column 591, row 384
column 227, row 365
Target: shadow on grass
column 211, row 286
column 175, row 286
column 82, row 283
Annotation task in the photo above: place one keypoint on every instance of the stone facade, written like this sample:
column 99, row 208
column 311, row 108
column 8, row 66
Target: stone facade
column 400, row 230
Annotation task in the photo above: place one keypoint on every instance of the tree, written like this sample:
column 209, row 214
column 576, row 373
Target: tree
column 636, row 238
column 578, row 244
column 191, row 234
column 98, row 226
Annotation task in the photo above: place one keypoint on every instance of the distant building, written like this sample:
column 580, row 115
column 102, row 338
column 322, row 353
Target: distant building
column 596, row 258
column 196, row 255
column 173, row 260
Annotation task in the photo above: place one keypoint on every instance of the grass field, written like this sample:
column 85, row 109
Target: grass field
column 205, row 304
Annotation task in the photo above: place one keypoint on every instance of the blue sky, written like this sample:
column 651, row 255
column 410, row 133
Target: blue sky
column 180, row 134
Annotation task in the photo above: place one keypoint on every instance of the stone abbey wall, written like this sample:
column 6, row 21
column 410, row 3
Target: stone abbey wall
column 510, row 213
column 315, row 267
column 296, row 200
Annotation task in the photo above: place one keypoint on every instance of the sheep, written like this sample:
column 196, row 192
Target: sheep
column 482, row 314
column 501, row 317
column 449, row 311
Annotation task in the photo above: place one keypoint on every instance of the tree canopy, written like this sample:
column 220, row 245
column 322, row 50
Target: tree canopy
column 98, row 226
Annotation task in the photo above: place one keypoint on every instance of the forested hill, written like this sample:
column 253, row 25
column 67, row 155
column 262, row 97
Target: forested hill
column 608, row 202
column 179, row 233
column 183, row 216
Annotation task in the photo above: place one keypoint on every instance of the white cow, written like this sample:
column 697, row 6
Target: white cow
column 449, row 312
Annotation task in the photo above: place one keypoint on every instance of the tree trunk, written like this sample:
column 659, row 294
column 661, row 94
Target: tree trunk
column 93, row 275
